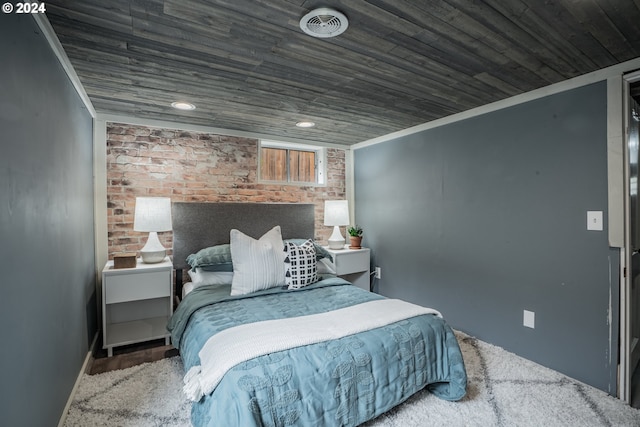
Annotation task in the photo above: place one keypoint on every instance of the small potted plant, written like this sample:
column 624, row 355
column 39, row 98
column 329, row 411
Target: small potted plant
column 355, row 236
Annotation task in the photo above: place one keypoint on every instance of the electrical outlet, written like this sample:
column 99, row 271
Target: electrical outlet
column 378, row 273
column 594, row 220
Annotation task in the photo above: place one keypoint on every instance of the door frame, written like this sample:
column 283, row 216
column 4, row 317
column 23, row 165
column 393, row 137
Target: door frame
column 625, row 371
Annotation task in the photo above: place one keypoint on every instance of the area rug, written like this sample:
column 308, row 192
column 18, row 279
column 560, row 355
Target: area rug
column 503, row 390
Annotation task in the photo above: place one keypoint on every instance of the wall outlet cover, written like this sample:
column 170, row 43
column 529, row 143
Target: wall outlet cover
column 594, row 220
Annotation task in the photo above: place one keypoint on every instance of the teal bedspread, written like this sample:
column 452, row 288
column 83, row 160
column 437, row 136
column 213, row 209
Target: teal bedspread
column 344, row 382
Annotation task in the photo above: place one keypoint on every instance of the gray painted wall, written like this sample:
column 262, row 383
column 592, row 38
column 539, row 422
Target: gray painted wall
column 486, row 217
column 47, row 307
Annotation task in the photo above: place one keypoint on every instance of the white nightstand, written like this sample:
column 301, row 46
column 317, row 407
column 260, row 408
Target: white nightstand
column 136, row 303
column 352, row 265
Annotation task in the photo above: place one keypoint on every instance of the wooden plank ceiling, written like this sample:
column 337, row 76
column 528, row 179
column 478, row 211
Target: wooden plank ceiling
column 247, row 66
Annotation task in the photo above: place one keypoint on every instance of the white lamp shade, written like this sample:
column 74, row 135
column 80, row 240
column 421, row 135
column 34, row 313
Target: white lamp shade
column 336, row 212
column 152, row 214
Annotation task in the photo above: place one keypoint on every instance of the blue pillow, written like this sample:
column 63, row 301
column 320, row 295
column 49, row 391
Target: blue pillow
column 320, row 251
column 213, row 258
column 225, row 266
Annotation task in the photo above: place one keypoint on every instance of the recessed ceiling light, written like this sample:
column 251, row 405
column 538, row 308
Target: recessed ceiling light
column 183, row 105
column 305, row 124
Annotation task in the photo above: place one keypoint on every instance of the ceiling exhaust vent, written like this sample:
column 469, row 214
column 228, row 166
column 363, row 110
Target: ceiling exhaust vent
column 324, row 22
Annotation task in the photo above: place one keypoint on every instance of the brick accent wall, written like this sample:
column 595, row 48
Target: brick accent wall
column 193, row 166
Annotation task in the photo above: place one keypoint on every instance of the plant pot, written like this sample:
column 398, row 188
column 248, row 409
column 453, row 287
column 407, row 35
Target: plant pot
column 355, row 242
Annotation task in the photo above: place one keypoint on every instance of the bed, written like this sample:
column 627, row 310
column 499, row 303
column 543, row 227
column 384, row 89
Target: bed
column 314, row 351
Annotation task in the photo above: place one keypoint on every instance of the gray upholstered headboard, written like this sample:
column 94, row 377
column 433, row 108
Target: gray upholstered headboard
column 200, row 225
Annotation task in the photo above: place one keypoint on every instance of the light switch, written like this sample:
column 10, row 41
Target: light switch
column 529, row 319
column 594, row 220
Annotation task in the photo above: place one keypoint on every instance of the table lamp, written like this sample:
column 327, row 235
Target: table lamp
column 152, row 214
column 336, row 213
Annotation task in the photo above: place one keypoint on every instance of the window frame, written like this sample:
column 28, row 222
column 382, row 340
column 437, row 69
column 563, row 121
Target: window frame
column 320, row 166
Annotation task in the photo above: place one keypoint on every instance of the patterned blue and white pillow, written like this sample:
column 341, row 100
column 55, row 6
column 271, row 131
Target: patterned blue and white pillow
column 300, row 264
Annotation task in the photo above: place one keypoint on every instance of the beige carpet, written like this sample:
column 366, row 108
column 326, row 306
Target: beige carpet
column 503, row 390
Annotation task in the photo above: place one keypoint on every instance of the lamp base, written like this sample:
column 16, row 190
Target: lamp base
column 336, row 244
column 153, row 252
column 336, row 241
column 153, row 257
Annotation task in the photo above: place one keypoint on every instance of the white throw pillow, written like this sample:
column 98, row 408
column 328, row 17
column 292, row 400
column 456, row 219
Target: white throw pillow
column 257, row 264
column 200, row 277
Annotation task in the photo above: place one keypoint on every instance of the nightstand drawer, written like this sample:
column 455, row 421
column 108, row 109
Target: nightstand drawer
column 132, row 287
column 348, row 262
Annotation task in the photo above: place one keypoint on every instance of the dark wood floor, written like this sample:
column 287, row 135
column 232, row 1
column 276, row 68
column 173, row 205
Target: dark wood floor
column 130, row 355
